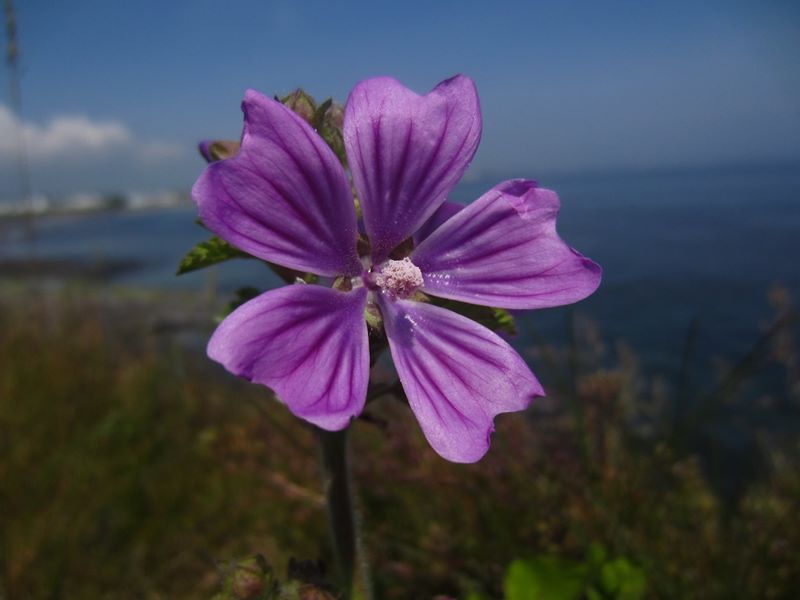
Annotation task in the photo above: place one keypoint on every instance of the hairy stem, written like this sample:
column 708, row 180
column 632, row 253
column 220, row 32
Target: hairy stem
column 341, row 513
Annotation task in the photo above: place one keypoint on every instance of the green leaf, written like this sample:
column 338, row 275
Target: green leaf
column 504, row 320
column 593, row 594
column 496, row 319
column 544, row 578
column 622, row 580
column 596, row 556
column 209, row 253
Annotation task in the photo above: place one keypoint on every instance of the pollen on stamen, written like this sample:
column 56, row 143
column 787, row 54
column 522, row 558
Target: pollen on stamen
column 400, row 278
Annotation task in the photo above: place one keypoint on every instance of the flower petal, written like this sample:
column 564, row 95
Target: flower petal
column 306, row 342
column 406, row 152
column 442, row 214
column 457, row 376
column 503, row 250
column 284, row 197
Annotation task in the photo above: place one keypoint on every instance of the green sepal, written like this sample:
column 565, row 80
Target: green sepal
column 373, row 317
column 496, row 319
column 208, row 253
column 319, row 114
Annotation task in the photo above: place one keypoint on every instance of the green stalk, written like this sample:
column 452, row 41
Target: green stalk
column 339, row 500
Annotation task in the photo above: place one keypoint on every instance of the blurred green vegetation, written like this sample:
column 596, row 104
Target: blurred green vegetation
column 133, row 467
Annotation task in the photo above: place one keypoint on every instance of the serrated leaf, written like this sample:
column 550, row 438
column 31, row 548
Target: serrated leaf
column 496, row 319
column 208, row 253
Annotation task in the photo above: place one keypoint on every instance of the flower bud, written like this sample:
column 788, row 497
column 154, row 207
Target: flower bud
column 214, row 150
column 329, row 127
column 294, row 590
column 302, row 103
column 312, row 592
column 250, row 579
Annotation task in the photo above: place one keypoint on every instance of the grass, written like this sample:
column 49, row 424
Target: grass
column 132, row 467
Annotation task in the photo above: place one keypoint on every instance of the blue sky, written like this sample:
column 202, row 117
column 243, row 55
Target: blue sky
column 116, row 93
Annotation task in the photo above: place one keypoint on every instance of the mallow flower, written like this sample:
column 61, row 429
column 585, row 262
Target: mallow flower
column 286, row 198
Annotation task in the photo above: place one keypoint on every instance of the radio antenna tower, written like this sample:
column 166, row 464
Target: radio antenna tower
column 15, row 94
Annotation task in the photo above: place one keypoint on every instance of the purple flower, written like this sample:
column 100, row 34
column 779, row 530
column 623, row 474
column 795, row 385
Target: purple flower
column 286, row 198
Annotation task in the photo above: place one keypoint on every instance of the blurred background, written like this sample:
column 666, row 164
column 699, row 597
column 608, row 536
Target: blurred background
column 666, row 451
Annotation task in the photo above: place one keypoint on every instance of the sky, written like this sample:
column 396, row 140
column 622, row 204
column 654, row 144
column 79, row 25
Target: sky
column 116, row 94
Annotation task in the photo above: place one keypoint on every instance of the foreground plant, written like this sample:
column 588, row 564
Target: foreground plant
column 371, row 269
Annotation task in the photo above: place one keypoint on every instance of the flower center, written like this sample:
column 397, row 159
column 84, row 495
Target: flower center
column 400, row 278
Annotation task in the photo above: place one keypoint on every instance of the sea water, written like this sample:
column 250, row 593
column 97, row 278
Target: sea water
column 675, row 247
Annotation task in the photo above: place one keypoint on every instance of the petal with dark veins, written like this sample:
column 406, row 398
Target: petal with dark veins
column 503, row 250
column 306, row 342
column 442, row 214
column 406, row 152
column 284, row 197
column 457, row 376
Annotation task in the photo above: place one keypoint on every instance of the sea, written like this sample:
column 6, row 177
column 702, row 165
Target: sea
column 681, row 250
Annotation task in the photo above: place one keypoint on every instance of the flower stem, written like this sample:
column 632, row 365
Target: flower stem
column 341, row 514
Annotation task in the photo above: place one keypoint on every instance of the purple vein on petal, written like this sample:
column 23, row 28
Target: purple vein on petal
column 457, row 375
column 407, row 152
column 503, row 250
column 284, row 197
column 306, row 342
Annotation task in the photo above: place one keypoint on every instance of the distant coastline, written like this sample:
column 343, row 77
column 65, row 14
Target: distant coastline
column 100, row 202
column 90, row 203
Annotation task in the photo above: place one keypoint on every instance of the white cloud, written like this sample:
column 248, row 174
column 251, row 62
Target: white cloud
column 74, row 137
